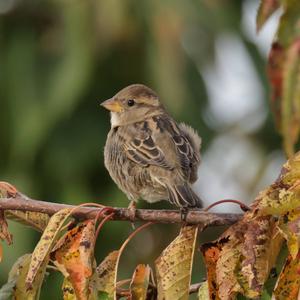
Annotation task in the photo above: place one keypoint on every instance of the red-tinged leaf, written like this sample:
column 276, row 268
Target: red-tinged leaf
column 284, row 75
column 222, row 258
column 288, row 283
column 75, row 256
column 266, row 9
column 291, row 97
column 140, row 282
column 174, row 266
column 40, row 256
column 238, row 261
column 4, row 233
column 7, row 190
column 257, row 262
column 275, row 74
column 211, row 253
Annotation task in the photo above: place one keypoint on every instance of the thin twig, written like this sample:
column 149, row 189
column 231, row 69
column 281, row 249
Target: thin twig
column 21, row 202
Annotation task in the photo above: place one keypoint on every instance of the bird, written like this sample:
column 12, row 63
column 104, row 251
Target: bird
column 147, row 154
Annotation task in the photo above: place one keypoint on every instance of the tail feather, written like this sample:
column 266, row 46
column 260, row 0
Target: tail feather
column 183, row 196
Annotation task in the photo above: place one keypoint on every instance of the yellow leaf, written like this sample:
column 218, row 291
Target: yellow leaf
column 17, row 275
column 203, row 293
column 68, row 290
column 174, row 266
column 288, row 283
column 46, row 243
column 140, row 282
column 283, row 195
column 35, row 220
column 106, row 274
column 75, row 253
column 289, row 228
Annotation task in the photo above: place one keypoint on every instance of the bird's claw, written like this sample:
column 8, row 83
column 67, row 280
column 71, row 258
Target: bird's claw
column 183, row 213
column 132, row 212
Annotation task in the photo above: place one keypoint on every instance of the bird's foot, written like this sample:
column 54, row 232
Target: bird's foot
column 183, row 213
column 132, row 212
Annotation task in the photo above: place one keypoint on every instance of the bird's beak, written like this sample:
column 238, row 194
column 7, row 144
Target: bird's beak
column 112, row 105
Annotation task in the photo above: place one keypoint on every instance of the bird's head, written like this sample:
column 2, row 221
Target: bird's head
column 133, row 104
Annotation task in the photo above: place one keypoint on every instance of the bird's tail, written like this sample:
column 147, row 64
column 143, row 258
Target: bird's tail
column 184, row 196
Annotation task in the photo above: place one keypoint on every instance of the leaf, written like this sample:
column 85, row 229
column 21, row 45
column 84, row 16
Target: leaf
column 291, row 97
column 36, row 220
column 16, row 287
column 275, row 74
column 5, row 235
column 6, row 291
column 203, row 293
column 140, row 282
column 75, row 255
column 211, row 252
column 283, row 195
column 68, row 290
column 7, row 190
column 288, row 284
column 46, row 243
column 284, row 74
column 174, row 266
column 289, row 227
column 257, row 262
column 238, row 261
column 106, row 275
column 266, row 9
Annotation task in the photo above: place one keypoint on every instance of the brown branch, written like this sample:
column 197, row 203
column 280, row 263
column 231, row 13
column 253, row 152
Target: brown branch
column 23, row 203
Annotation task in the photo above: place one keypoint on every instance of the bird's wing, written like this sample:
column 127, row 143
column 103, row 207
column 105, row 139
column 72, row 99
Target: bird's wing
column 161, row 142
column 186, row 146
column 141, row 148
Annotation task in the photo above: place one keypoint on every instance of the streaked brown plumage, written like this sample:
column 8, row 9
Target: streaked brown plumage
column 147, row 154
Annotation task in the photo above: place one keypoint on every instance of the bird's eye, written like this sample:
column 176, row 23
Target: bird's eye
column 130, row 102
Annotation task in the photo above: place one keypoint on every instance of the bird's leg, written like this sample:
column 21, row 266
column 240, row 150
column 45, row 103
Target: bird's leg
column 132, row 212
column 183, row 213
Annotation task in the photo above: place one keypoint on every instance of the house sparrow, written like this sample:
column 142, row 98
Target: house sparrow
column 147, row 153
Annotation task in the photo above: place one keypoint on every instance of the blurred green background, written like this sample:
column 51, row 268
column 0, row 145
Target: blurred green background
column 60, row 59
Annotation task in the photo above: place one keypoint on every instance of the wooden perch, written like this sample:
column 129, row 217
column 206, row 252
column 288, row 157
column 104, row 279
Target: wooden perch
column 21, row 202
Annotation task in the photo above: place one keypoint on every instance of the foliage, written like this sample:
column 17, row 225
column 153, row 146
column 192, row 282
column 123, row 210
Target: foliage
column 239, row 262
